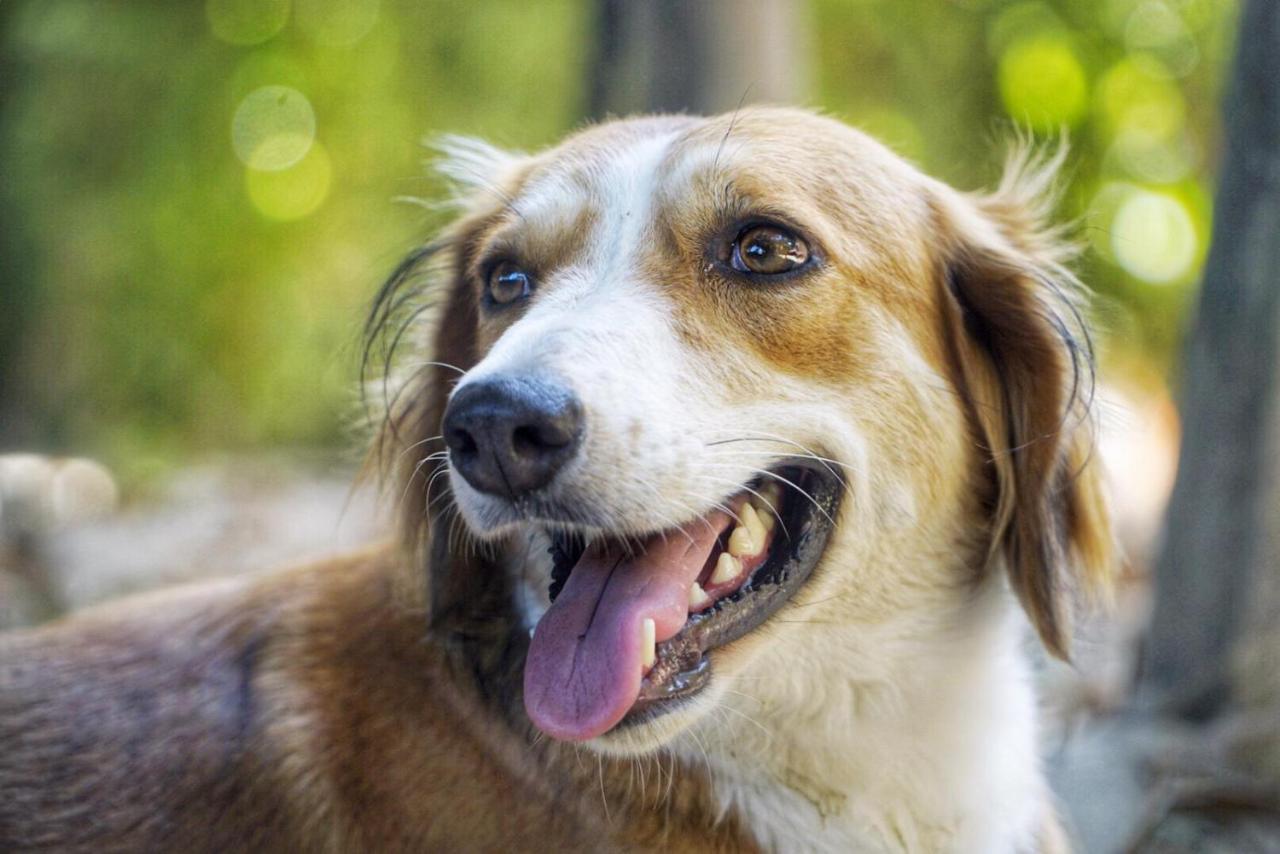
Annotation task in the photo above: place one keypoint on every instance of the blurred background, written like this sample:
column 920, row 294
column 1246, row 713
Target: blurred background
column 199, row 199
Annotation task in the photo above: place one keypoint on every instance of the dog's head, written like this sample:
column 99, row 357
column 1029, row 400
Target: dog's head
column 708, row 383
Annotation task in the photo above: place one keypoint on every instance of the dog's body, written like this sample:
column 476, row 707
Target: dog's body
column 304, row 712
column 671, row 303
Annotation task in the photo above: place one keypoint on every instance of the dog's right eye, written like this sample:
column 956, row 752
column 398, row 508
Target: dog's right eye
column 508, row 283
column 768, row 250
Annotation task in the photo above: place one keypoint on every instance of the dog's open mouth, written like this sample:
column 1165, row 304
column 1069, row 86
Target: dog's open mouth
column 632, row 623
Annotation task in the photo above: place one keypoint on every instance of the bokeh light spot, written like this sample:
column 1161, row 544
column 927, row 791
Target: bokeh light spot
column 338, row 23
column 1157, row 30
column 1149, row 158
column 246, row 22
column 1153, row 237
column 1021, row 22
column 1131, row 97
column 1043, row 84
column 273, row 128
column 291, row 193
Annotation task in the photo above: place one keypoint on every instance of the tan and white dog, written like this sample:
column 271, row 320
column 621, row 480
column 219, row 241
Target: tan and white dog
column 740, row 443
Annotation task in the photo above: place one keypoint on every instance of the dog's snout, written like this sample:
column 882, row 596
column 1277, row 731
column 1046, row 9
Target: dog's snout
column 510, row 435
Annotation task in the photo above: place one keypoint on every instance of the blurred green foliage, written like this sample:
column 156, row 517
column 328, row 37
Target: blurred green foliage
column 184, row 300
column 198, row 199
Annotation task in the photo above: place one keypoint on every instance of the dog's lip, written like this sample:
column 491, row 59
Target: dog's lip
column 683, row 665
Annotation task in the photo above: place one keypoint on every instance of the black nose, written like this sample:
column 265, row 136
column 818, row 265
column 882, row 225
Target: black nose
column 510, row 435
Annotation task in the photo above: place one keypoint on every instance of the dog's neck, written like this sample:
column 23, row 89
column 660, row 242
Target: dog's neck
column 936, row 751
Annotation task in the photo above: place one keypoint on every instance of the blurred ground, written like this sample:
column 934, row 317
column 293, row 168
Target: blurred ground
column 224, row 517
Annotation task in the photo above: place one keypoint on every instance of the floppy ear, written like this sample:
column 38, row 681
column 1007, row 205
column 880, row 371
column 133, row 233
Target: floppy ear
column 420, row 338
column 1023, row 360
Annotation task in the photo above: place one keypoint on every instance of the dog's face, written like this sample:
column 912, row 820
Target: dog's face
column 742, row 376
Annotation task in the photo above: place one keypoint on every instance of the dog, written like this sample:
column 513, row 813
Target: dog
column 744, row 458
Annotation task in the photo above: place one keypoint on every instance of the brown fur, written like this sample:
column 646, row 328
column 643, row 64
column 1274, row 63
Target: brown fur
column 1022, row 358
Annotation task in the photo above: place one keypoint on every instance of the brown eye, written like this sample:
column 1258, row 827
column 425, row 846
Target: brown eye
column 508, row 283
column 768, row 250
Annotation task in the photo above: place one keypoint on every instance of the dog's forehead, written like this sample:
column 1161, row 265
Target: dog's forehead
column 616, row 163
column 627, row 172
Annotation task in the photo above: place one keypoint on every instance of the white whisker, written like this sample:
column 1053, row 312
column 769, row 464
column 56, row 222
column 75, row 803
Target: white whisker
column 797, row 488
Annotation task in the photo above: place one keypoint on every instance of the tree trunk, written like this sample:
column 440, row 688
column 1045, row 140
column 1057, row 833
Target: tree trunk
column 1256, row 671
column 698, row 57
column 1216, row 558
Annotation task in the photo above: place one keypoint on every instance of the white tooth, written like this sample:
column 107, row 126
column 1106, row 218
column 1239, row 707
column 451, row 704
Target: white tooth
column 648, row 643
column 771, row 492
column 727, row 566
column 697, row 596
column 741, row 542
column 765, row 514
column 755, row 525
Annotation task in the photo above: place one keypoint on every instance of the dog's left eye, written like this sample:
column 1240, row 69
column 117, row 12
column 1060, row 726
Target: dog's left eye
column 768, row 250
column 508, row 283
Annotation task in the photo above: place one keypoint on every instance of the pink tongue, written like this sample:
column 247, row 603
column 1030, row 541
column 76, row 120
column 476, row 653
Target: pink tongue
column 584, row 666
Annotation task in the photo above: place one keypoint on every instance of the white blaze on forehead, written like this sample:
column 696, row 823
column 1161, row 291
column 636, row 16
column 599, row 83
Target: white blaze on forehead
column 601, row 293
column 628, row 192
column 617, row 183
column 699, row 159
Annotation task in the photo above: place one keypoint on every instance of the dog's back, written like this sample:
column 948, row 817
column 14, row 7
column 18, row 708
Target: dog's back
column 137, row 731
column 301, row 710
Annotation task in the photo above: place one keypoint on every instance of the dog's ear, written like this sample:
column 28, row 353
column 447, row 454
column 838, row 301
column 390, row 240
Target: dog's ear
column 420, row 338
column 1023, row 360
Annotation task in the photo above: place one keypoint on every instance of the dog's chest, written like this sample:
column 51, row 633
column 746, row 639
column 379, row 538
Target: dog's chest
column 880, row 794
column 800, row 814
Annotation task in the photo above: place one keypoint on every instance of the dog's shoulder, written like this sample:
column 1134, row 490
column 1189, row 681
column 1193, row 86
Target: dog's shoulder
column 122, row 726
column 305, row 708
